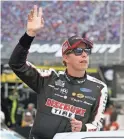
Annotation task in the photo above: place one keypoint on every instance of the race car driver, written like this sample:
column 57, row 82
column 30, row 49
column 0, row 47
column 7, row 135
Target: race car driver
column 67, row 101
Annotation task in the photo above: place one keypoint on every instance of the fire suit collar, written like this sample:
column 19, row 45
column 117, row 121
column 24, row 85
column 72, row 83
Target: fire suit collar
column 75, row 80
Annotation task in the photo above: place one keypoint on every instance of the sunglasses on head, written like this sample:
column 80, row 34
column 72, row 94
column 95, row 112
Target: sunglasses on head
column 79, row 51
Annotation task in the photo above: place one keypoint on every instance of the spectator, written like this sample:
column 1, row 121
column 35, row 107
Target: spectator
column 27, row 120
column 31, row 109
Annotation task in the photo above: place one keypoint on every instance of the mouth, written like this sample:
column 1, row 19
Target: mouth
column 83, row 61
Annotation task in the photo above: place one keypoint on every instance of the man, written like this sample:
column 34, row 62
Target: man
column 31, row 109
column 69, row 101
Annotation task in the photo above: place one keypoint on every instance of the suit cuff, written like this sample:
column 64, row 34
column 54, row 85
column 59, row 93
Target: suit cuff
column 26, row 40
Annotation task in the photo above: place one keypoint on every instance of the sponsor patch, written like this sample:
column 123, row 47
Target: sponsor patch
column 90, row 98
column 80, row 81
column 65, row 107
column 73, row 94
column 64, row 91
column 53, row 87
column 78, row 95
column 60, row 83
column 85, row 102
column 65, row 97
column 63, row 113
column 85, row 90
column 76, row 100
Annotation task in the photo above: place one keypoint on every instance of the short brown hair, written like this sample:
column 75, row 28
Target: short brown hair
column 64, row 63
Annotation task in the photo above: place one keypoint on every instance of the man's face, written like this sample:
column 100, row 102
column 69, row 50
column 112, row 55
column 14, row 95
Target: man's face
column 28, row 118
column 77, row 61
column 30, row 107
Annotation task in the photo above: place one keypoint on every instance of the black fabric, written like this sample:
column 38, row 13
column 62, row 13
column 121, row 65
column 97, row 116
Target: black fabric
column 24, row 131
column 26, row 40
column 75, row 80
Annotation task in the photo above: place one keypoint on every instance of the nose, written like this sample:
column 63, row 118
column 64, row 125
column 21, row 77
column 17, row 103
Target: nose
column 84, row 54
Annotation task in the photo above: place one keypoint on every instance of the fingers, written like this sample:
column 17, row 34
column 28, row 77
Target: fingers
column 76, row 125
column 40, row 13
column 75, row 129
column 35, row 11
column 76, row 122
column 42, row 21
column 30, row 15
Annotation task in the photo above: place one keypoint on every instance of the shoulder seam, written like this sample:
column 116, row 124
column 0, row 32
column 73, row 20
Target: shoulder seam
column 93, row 79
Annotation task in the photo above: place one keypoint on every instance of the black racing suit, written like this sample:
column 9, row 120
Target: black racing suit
column 59, row 95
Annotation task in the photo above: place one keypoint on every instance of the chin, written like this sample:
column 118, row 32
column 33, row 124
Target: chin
column 82, row 69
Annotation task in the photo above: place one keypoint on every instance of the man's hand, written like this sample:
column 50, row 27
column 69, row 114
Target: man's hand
column 76, row 125
column 35, row 21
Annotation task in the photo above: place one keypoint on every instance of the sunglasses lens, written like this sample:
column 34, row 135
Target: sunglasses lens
column 79, row 51
column 87, row 50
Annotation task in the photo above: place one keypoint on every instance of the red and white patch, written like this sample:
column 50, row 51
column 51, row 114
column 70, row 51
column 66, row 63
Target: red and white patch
column 63, row 113
column 64, row 109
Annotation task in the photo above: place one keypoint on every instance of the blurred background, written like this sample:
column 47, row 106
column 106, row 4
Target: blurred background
column 100, row 21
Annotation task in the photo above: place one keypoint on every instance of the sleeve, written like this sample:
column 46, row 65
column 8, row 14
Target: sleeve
column 27, row 72
column 97, row 115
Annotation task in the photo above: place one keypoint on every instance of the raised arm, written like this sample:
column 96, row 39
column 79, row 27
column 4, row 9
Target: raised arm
column 18, row 63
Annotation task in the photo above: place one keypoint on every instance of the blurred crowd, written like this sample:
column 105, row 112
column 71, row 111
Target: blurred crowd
column 100, row 20
column 113, row 118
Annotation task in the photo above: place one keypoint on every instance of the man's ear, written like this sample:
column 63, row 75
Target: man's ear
column 65, row 58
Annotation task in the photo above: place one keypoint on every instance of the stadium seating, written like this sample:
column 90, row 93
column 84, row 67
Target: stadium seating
column 63, row 18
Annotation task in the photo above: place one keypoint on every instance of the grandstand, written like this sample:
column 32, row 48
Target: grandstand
column 103, row 22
